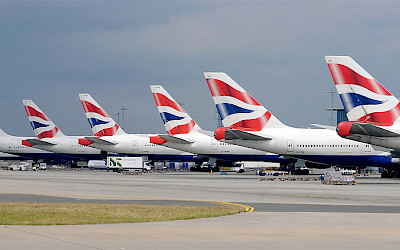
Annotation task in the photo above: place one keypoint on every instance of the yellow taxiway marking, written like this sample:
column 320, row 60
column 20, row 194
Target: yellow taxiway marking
column 247, row 208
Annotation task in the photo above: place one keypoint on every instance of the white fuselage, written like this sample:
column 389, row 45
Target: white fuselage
column 207, row 145
column 309, row 142
column 67, row 145
column 13, row 145
column 135, row 144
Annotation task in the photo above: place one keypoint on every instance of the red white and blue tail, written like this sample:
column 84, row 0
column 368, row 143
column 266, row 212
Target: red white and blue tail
column 364, row 99
column 237, row 108
column 176, row 120
column 100, row 122
column 42, row 126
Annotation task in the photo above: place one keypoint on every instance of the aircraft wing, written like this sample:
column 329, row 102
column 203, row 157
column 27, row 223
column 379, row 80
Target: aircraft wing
column 175, row 139
column 371, row 130
column 234, row 134
column 35, row 142
column 99, row 140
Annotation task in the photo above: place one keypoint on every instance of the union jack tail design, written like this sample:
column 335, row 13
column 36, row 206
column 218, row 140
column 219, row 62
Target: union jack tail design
column 237, row 108
column 176, row 120
column 100, row 122
column 42, row 126
column 364, row 99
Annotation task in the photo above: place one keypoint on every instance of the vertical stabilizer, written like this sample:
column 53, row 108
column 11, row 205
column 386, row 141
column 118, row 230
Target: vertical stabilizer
column 237, row 108
column 42, row 126
column 100, row 122
column 3, row 134
column 363, row 97
column 176, row 120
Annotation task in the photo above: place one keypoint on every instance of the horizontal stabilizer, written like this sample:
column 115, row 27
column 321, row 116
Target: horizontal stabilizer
column 234, row 134
column 99, row 140
column 324, row 126
column 174, row 139
column 371, row 130
column 35, row 142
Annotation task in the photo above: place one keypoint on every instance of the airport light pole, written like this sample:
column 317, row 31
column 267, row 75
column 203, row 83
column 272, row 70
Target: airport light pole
column 117, row 114
column 123, row 116
column 331, row 92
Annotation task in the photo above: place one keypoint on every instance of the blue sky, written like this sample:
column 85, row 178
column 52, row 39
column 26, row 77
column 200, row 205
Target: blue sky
column 53, row 50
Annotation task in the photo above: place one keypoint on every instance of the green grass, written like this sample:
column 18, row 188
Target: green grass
column 26, row 213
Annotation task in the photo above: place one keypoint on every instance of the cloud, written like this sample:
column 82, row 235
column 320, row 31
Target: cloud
column 274, row 49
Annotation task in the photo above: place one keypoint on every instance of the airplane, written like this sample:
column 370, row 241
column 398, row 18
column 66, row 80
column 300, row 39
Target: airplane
column 186, row 135
column 373, row 112
column 50, row 138
column 6, row 156
column 19, row 146
column 247, row 123
column 109, row 136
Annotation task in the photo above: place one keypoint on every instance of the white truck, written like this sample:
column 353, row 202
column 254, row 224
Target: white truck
column 120, row 164
column 97, row 165
column 244, row 166
column 21, row 166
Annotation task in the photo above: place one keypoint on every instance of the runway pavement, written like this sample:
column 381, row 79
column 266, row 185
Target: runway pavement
column 296, row 214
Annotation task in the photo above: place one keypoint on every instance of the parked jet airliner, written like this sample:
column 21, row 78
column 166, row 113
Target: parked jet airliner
column 17, row 146
column 373, row 112
column 247, row 123
column 109, row 136
column 186, row 135
column 50, row 138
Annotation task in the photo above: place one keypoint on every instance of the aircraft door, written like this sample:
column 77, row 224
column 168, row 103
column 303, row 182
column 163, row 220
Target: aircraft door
column 367, row 149
column 73, row 145
column 135, row 144
column 214, row 144
column 290, row 146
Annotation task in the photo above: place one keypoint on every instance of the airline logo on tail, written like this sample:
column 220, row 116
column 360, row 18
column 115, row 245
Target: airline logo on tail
column 42, row 126
column 100, row 122
column 237, row 108
column 176, row 120
column 364, row 99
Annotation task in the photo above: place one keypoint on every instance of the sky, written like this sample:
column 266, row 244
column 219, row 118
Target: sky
column 50, row 51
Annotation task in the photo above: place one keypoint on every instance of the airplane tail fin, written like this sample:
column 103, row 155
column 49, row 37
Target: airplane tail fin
column 363, row 97
column 42, row 126
column 176, row 120
column 3, row 134
column 100, row 122
column 236, row 107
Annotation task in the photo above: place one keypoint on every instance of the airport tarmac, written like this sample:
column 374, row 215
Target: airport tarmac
column 289, row 214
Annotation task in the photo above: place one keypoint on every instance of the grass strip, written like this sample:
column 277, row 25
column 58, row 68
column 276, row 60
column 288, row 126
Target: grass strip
column 29, row 213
